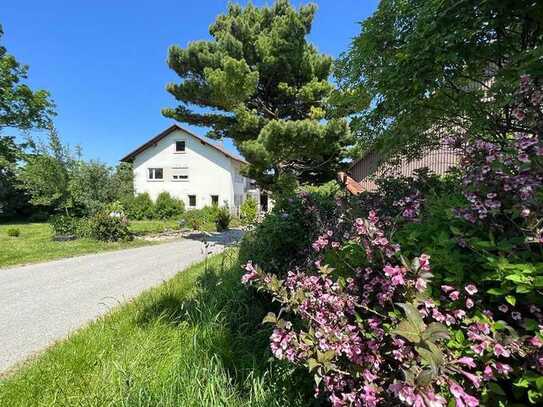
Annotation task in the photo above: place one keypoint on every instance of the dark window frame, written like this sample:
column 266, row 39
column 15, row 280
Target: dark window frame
column 180, row 143
column 153, row 172
column 192, row 200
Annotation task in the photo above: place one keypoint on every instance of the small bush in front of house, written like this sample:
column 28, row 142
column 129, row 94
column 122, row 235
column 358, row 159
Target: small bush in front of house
column 167, row 207
column 14, row 232
column 109, row 228
column 193, row 219
column 116, row 208
column 223, row 218
column 248, row 211
column 140, row 207
column 64, row 225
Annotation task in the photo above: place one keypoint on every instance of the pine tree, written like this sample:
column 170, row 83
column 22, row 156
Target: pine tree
column 262, row 84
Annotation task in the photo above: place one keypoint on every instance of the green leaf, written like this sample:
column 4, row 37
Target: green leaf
column 312, row 364
column 270, row 318
column 408, row 331
column 511, row 299
column 435, row 331
column 497, row 291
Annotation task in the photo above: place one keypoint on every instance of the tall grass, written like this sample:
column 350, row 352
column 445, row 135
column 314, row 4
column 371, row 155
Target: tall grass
column 194, row 341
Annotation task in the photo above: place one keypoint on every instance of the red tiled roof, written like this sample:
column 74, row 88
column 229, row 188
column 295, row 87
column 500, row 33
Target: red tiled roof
column 129, row 157
column 352, row 186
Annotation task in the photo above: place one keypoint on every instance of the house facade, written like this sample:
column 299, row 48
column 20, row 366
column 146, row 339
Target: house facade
column 190, row 168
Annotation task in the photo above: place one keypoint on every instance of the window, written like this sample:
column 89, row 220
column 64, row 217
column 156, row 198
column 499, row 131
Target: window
column 155, row 173
column 179, row 146
column 180, row 174
column 192, row 200
column 215, row 200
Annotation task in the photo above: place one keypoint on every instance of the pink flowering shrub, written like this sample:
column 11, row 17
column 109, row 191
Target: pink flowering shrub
column 366, row 312
column 376, row 338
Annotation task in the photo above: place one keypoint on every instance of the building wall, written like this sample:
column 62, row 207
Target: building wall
column 210, row 172
column 369, row 168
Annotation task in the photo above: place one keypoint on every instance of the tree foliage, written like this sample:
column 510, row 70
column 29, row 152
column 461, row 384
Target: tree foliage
column 20, row 107
column 433, row 66
column 261, row 83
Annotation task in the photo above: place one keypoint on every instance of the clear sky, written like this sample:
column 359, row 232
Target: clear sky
column 104, row 61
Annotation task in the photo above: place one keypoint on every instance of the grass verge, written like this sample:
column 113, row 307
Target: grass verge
column 35, row 244
column 194, row 341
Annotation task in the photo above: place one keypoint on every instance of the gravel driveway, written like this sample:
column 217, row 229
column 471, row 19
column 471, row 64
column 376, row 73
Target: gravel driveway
column 42, row 303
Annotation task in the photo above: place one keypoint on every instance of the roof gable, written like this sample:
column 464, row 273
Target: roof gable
column 130, row 156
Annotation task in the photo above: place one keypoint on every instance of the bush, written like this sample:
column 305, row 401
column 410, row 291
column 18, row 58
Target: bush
column 222, row 220
column 196, row 219
column 14, row 232
column 376, row 325
column 105, row 227
column 193, row 219
column 140, row 207
column 248, row 211
column 167, row 207
column 284, row 237
column 64, row 225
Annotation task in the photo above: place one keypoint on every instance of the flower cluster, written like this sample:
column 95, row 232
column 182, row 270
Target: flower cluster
column 364, row 352
column 410, row 205
column 502, row 179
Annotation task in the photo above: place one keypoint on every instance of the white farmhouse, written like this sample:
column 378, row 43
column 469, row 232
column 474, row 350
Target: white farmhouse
column 192, row 169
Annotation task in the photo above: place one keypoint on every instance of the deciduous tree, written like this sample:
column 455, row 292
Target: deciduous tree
column 435, row 66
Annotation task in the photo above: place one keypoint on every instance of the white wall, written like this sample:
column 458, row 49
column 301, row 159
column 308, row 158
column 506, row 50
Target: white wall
column 210, row 171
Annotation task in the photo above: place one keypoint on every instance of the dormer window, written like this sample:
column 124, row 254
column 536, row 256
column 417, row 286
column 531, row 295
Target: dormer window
column 180, row 146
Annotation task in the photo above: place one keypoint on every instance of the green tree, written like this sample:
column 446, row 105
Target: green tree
column 46, row 174
column 20, row 108
column 433, row 66
column 261, row 83
column 92, row 186
column 123, row 182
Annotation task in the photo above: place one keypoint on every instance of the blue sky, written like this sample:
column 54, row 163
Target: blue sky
column 104, row 61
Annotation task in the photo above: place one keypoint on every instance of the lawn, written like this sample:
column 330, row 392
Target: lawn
column 196, row 340
column 35, row 242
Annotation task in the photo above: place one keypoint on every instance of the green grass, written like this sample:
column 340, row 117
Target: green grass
column 35, row 244
column 194, row 341
column 144, row 227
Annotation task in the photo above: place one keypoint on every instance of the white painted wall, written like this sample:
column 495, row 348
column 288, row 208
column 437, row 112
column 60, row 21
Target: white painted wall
column 210, row 172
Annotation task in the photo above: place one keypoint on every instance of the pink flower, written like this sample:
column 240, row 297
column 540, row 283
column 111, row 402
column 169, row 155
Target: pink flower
column 454, row 295
column 503, row 368
column 476, row 380
column 499, row 350
column 461, row 397
column 488, row 374
column 459, row 313
column 471, row 289
column 536, row 341
column 447, row 288
column 469, row 303
column 420, row 284
column 250, row 275
column 503, row 308
column 424, row 262
column 466, row 361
